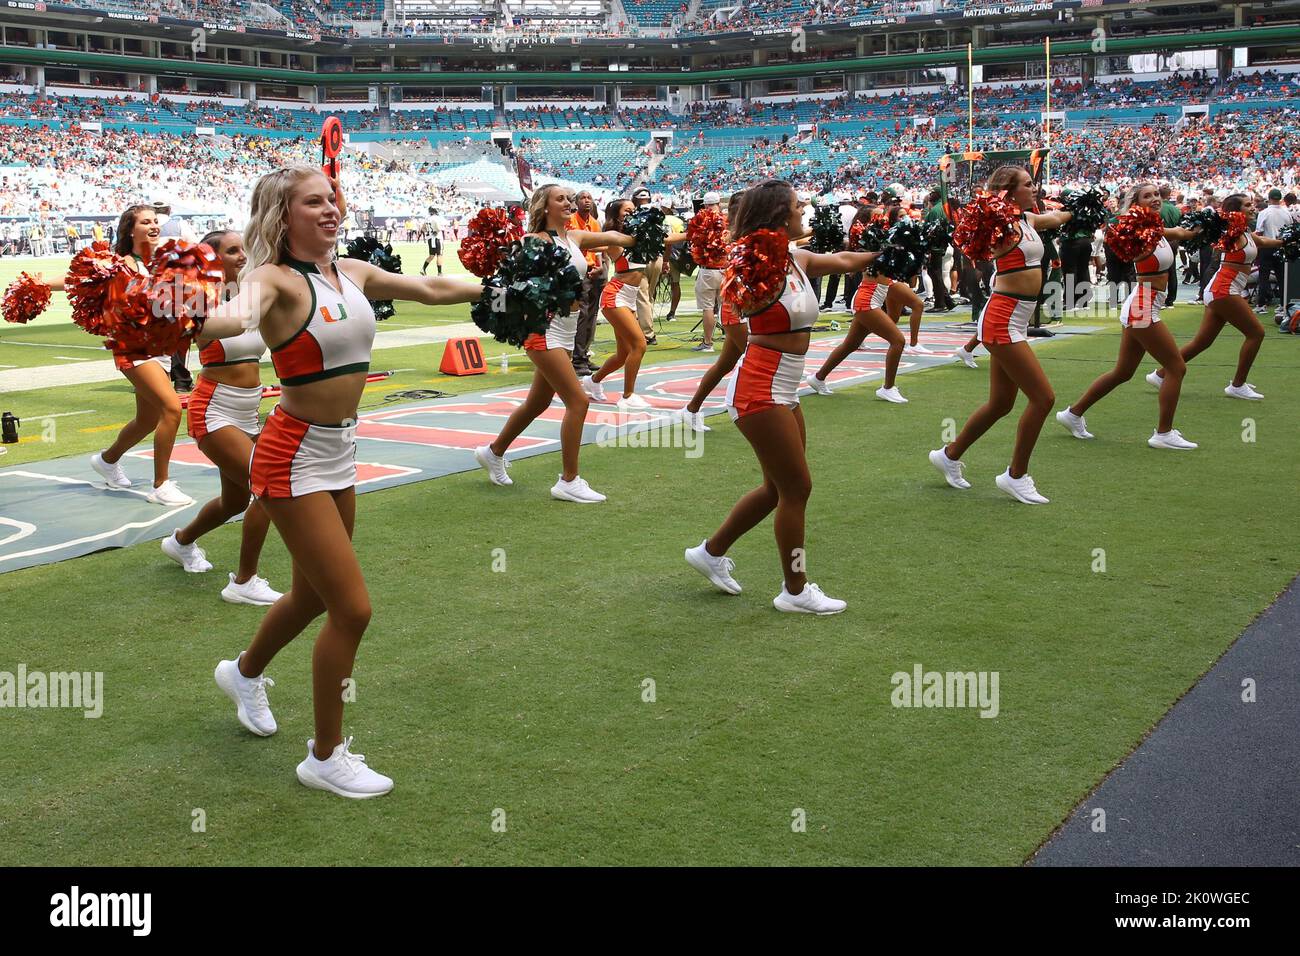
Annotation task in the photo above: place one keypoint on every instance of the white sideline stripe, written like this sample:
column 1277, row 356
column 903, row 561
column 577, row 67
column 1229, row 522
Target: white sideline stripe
column 24, row 529
column 86, row 540
column 87, row 373
column 73, row 358
column 46, row 345
column 40, row 418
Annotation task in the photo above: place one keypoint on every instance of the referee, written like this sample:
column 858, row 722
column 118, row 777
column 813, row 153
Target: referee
column 433, row 236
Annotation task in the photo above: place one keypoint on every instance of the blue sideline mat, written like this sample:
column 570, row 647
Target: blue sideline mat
column 59, row 509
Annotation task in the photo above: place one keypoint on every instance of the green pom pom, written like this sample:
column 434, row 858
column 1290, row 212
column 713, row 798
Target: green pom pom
column 938, row 234
column 1210, row 223
column 904, row 250
column 1088, row 206
column 646, row 226
column 368, row 249
column 827, row 230
column 1290, row 236
column 535, row 282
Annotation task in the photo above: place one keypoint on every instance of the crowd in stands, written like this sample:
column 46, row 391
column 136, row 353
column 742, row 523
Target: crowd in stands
column 609, row 164
column 898, row 106
column 50, row 173
column 1247, row 149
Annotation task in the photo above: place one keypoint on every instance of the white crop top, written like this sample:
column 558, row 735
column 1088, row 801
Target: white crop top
column 337, row 337
column 1027, row 254
column 795, row 311
column 245, row 347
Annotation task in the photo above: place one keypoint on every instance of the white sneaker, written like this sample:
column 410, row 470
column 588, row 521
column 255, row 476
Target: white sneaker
column 1171, row 439
column 703, row 348
column 718, row 570
column 112, row 474
column 1022, row 488
column 1154, row 379
column 1246, row 391
column 966, row 358
column 917, row 349
column 1074, row 424
column 891, row 395
column 693, row 420
column 343, row 773
column 634, row 401
column 576, row 490
column 810, row 600
column 189, row 556
column 496, row 467
column 954, row 472
column 253, row 591
column 168, row 495
column 818, row 386
column 249, row 695
column 595, row 390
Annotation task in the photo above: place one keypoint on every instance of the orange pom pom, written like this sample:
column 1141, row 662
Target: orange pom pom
column 756, row 270
column 25, row 299
column 87, row 284
column 1234, row 226
column 984, row 224
column 1134, row 234
column 160, row 313
column 488, row 238
column 707, row 234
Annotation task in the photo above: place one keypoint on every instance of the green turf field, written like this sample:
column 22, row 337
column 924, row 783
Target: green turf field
column 523, row 690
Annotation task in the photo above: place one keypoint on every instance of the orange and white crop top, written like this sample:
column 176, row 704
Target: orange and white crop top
column 795, row 311
column 576, row 255
column 1027, row 253
column 1245, row 255
column 1158, row 260
column 235, row 350
column 337, row 337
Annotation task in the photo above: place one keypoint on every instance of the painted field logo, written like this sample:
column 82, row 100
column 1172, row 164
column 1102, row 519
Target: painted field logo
column 946, row 689
column 103, row 909
column 74, row 689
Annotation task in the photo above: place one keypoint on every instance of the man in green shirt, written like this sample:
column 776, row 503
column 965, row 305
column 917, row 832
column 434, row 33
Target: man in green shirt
column 1170, row 215
column 943, row 301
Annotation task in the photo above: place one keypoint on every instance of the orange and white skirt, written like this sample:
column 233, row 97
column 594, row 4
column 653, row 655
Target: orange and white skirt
column 1005, row 318
column 764, row 378
column 293, row 458
column 213, row 406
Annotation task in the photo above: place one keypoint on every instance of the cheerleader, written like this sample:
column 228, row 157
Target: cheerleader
column 157, row 406
column 315, row 314
column 222, row 418
column 1003, row 323
column 763, row 401
column 1225, row 304
column 870, row 316
column 549, row 211
column 902, row 297
column 618, row 306
column 735, row 334
column 1143, row 334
